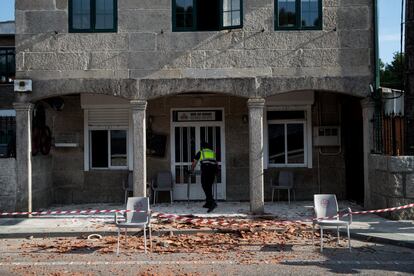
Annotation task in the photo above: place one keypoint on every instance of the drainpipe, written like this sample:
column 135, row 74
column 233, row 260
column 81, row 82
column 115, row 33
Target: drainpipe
column 376, row 49
column 377, row 94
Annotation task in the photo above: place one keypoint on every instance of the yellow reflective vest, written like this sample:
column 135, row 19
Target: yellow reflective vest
column 207, row 156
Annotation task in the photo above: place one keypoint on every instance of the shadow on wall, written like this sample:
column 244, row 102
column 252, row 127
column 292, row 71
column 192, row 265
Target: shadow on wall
column 254, row 51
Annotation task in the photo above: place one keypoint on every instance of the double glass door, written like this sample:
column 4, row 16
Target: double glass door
column 186, row 143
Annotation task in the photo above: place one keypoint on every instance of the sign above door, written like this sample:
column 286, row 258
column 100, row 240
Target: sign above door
column 197, row 116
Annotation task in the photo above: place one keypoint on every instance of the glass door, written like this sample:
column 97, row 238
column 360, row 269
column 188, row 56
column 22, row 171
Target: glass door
column 185, row 144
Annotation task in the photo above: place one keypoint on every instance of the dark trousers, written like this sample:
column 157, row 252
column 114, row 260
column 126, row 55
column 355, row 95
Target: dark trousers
column 208, row 173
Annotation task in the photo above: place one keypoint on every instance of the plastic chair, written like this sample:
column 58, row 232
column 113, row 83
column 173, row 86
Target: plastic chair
column 327, row 215
column 135, row 219
column 285, row 182
column 163, row 183
column 128, row 185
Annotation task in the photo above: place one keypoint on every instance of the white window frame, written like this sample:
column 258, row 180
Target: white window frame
column 196, row 124
column 108, row 132
column 307, row 135
column 87, row 143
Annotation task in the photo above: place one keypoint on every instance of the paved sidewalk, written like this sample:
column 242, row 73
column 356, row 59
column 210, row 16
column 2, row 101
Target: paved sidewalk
column 370, row 227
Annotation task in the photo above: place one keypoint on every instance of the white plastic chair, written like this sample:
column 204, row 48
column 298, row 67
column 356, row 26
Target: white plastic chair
column 285, row 182
column 135, row 219
column 163, row 183
column 327, row 215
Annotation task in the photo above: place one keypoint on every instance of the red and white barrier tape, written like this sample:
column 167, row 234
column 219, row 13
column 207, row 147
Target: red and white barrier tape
column 204, row 221
column 74, row 212
column 392, row 209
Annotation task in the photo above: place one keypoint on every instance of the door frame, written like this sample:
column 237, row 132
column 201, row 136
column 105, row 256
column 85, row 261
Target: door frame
column 220, row 124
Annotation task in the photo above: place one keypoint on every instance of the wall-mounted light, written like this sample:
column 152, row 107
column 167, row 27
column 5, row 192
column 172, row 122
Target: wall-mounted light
column 245, row 119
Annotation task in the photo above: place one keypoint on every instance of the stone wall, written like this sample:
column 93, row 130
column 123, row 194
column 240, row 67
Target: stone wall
column 8, row 184
column 71, row 184
column 337, row 58
column 391, row 180
column 42, row 189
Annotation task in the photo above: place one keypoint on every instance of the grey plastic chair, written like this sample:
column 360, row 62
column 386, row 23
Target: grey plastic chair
column 285, row 182
column 135, row 219
column 128, row 185
column 163, row 183
column 326, row 207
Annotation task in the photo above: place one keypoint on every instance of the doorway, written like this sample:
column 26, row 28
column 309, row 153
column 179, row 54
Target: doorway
column 188, row 129
column 354, row 151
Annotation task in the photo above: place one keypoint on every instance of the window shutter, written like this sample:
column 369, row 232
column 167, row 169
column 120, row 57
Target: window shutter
column 114, row 117
column 231, row 14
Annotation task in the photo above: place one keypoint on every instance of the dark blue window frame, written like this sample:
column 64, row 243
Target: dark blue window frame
column 298, row 13
column 194, row 28
column 92, row 17
column 7, row 64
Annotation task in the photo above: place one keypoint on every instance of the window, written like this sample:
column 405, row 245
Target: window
column 287, row 140
column 107, row 139
column 7, row 133
column 7, row 65
column 298, row 14
column 108, row 149
column 206, row 15
column 93, row 15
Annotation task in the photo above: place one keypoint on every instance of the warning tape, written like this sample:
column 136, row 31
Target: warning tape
column 204, row 221
column 74, row 212
column 392, row 209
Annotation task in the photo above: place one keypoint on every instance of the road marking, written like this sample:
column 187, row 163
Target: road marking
column 122, row 263
column 95, row 263
column 338, row 262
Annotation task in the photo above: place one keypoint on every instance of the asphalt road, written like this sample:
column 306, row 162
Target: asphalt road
column 70, row 256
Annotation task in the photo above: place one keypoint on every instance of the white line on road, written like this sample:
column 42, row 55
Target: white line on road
column 121, row 263
column 337, row 262
column 95, row 263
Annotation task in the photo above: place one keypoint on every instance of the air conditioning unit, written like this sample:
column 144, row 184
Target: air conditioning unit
column 22, row 85
column 326, row 136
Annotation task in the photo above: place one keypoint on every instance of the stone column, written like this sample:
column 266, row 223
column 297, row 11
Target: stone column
column 139, row 140
column 368, row 109
column 24, row 156
column 256, row 107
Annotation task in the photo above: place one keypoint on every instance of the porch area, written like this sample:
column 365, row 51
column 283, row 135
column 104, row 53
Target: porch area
column 98, row 140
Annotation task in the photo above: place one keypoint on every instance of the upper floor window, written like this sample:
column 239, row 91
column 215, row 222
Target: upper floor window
column 298, row 14
column 207, row 15
column 7, row 65
column 7, row 133
column 93, row 15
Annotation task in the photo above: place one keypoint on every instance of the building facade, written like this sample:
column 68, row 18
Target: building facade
column 123, row 85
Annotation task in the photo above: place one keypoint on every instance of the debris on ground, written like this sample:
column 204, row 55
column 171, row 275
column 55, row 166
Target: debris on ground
column 202, row 243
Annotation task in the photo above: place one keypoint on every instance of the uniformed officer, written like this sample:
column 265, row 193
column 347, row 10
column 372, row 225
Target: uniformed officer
column 207, row 158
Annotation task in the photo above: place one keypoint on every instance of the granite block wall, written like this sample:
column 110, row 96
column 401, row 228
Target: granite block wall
column 339, row 57
column 8, row 184
column 391, row 180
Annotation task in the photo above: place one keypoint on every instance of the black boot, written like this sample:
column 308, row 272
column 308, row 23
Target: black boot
column 212, row 207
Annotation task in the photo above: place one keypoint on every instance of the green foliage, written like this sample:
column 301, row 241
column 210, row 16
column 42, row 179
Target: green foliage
column 392, row 75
